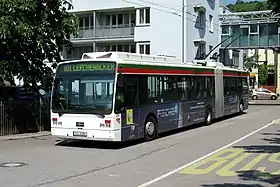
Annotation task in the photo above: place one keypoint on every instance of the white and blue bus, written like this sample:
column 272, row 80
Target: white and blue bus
column 116, row 96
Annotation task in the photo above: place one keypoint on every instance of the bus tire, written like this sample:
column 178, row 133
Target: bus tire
column 208, row 115
column 150, row 128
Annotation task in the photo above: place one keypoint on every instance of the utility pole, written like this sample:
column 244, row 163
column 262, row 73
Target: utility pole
column 183, row 31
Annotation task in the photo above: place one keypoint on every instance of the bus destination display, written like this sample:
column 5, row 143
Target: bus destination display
column 91, row 67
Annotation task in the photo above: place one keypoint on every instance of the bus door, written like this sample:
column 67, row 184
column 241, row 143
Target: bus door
column 129, row 114
column 231, row 93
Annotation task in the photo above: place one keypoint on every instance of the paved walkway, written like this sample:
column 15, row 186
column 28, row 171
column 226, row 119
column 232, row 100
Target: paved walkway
column 26, row 135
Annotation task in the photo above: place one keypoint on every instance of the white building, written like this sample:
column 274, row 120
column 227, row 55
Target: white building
column 145, row 26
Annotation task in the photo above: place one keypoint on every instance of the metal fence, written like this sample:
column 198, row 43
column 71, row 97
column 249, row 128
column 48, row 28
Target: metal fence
column 24, row 116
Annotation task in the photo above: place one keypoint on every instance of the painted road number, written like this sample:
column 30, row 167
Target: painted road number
column 231, row 157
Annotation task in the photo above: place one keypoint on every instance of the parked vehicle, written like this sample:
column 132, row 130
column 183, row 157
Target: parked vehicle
column 263, row 93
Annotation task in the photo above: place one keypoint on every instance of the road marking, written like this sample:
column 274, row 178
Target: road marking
column 273, row 158
column 216, row 160
column 226, row 172
column 229, row 162
column 201, row 158
column 254, row 162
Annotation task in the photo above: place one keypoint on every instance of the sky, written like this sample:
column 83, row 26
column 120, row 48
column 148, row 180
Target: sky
column 229, row 1
column 233, row 1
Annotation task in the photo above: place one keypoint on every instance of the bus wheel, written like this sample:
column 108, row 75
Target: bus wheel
column 150, row 128
column 208, row 116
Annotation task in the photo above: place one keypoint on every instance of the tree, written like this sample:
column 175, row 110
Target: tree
column 30, row 32
column 263, row 74
column 248, row 6
column 274, row 5
column 251, row 62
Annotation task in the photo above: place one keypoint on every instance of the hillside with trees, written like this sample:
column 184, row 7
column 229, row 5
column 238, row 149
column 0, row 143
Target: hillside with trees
column 242, row 6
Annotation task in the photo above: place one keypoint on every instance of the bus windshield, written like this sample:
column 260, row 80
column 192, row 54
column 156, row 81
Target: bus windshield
column 84, row 88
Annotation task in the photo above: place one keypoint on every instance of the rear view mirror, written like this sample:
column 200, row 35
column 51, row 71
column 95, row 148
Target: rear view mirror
column 120, row 80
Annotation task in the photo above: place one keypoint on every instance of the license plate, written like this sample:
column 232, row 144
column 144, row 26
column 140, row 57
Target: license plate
column 79, row 133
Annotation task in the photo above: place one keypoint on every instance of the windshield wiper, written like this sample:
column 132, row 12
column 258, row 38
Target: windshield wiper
column 98, row 114
column 61, row 105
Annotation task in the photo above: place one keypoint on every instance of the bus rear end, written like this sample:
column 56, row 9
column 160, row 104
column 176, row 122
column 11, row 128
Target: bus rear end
column 82, row 101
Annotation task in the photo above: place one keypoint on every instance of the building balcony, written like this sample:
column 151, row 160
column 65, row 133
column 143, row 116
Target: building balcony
column 104, row 32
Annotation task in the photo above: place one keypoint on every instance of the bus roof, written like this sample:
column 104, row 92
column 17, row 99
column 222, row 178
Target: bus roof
column 155, row 60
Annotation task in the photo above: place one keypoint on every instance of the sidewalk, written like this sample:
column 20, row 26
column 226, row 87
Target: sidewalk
column 26, row 135
column 264, row 102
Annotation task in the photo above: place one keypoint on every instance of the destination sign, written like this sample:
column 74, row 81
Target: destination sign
column 90, row 67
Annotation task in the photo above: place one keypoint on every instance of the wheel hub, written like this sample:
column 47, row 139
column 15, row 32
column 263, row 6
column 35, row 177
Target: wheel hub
column 150, row 128
column 209, row 117
column 241, row 107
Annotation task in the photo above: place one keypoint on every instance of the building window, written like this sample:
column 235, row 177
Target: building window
column 81, row 23
column 254, row 29
column 141, row 49
column 225, row 30
column 147, row 11
column 144, row 48
column 120, row 19
column 144, row 16
column 147, row 49
column 210, row 47
column 87, row 22
column 200, row 22
column 117, row 47
column 126, row 48
column 211, row 23
column 200, row 50
column 114, row 20
column 107, row 20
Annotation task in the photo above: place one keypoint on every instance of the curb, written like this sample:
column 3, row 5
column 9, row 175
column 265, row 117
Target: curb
column 263, row 103
column 25, row 136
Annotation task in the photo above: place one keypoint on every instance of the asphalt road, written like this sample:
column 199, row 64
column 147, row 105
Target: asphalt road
column 233, row 152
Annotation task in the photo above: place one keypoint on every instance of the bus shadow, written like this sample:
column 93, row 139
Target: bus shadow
column 121, row 145
column 97, row 144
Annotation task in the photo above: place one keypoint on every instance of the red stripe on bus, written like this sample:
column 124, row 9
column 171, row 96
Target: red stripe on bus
column 167, row 71
column 234, row 74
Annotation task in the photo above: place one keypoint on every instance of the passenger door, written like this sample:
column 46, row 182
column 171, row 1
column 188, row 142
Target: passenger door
column 130, row 115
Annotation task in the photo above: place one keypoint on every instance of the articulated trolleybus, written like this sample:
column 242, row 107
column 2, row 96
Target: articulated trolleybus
column 116, row 96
